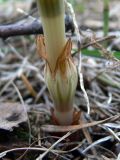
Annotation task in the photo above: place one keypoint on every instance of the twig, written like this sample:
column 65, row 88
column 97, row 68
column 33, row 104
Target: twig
column 34, row 27
column 106, row 38
column 93, row 42
column 55, row 128
column 58, row 141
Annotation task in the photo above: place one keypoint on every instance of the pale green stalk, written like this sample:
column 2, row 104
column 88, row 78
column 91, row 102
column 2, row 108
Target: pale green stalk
column 52, row 15
column 60, row 76
column 106, row 17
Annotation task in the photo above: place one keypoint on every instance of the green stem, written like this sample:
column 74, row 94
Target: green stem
column 106, row 17
column 60, row 71
column 52, row 15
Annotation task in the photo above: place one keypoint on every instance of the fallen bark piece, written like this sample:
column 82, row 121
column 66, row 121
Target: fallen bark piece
column 11, row 115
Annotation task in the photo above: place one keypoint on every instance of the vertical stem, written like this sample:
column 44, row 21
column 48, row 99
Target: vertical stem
column 60, row 71
column 52, row 16
column 106, row 17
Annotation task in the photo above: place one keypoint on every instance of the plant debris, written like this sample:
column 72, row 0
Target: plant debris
column 11, row 115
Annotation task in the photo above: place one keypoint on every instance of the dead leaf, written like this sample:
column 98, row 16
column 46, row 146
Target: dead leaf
column 11, row 115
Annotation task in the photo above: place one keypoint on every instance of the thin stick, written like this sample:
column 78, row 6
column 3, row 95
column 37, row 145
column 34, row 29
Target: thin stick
column 106, row 38
column 58, row 141
column 35, row 27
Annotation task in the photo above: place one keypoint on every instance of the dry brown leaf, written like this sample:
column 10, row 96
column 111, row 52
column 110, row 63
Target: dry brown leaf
column 11, row 114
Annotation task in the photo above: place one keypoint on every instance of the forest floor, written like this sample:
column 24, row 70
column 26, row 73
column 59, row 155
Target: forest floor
column 26, row 130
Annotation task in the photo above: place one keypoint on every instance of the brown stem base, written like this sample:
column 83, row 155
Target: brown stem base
column 76, row 117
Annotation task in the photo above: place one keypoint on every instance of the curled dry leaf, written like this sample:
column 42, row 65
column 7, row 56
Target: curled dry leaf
column 11, row 115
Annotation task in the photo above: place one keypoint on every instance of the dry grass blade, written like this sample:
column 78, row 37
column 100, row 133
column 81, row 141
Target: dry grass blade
column 28, row 85
column 118, row 157
column 54, row 128
column 58, row 141
column 99, row 141
column 114, row 134
column 2, row 154
column 25, row 110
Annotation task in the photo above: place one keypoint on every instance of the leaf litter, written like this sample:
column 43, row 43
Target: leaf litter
column 11, row 115
column 22, row 67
